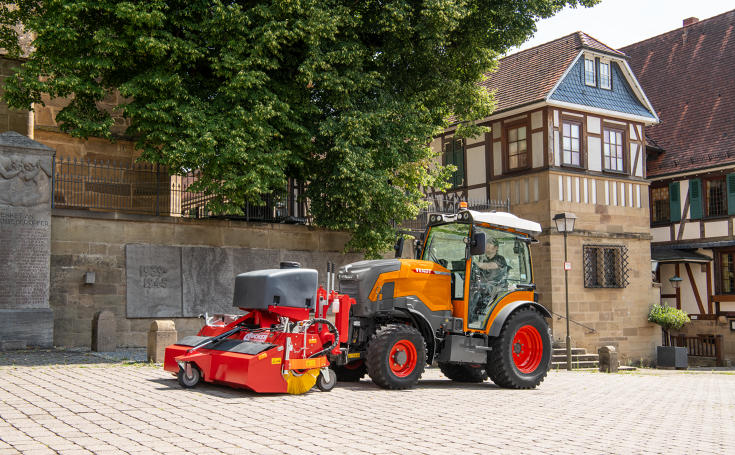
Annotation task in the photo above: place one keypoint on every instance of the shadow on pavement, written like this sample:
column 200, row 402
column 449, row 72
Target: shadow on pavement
column 43, row 357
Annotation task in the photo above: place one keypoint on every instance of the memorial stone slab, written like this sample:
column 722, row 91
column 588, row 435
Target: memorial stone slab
column 153, row 274
column 104, row 332
column 26, row 170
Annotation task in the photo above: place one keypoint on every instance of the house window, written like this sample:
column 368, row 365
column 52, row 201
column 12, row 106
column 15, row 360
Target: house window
column 589, row 72
column 660, row 204
column 605, row 75
column 605, row 266
column 716, row 199
column 570, row 143
column 727, row 273
column 613, row 150
column 517, row 150
column 454, row 154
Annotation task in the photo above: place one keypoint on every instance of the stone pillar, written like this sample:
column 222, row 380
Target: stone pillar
column 161, row 335
column 608, row 359
column 26, row 172
column 104, row 332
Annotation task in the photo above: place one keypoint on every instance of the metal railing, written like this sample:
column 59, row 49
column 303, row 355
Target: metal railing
column 698, row 346
column 450, row 205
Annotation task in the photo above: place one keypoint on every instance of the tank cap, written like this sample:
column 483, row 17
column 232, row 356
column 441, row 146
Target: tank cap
column 290, row 265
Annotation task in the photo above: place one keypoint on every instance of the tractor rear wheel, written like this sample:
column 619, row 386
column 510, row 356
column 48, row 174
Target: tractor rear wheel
column 351, row 372
column 396, row 357
column 464, row 373
column 521, row 354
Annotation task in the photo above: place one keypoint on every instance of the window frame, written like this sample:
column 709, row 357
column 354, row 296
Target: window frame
column 668, row 204
column 617, row 129
column 621, row 266
column 506, row 140
column 587, row 82
column 608, row 64
column 706, row 202
column 719, row 284
column 582, row 156
column 463, row 170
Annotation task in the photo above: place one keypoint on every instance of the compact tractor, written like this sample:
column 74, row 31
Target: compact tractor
column 467, row 303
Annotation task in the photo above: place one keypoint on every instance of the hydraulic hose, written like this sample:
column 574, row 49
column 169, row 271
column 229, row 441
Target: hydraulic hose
column 334, row 330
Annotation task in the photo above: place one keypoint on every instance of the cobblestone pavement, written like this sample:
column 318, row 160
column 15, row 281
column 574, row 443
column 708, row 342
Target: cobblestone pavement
column 77, row 403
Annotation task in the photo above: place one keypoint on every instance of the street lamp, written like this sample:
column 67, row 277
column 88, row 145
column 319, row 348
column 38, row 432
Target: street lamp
column 565, row 223
column 675, row 281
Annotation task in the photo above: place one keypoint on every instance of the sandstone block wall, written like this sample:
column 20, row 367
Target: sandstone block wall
column 83, row 241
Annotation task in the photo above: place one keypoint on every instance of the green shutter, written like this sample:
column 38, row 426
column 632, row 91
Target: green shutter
column 674, row 202
column 695, row 199
column 459, row 162
column 731, row 194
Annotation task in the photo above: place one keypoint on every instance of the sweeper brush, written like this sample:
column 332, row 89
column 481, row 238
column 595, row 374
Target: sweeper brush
column 280, row 345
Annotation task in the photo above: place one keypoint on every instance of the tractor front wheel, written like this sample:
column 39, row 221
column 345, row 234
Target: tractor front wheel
column 464, row 373
column 396, row 357
column 521, row 354
column 189, row 382
column 351, row 372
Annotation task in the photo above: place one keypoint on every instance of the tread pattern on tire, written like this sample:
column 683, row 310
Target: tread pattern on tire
column 501, row 367
column 380, row 343
column 464, row 373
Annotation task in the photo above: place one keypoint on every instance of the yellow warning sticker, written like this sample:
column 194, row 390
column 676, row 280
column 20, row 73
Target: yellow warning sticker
column 354, row 355
column 262, row 356
column 275, row 360
column 312, row 341
column 311, row 363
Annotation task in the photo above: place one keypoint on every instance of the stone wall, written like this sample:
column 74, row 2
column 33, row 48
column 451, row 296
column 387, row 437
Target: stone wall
column 84, row 241
column 13, row 120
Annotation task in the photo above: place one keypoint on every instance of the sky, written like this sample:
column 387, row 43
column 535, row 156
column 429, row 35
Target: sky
column 618, row 23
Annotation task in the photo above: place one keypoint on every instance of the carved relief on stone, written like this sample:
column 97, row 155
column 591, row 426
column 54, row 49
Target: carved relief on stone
column 25, row 182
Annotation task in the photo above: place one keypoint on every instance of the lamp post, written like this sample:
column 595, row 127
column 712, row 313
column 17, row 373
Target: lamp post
column 565, row 223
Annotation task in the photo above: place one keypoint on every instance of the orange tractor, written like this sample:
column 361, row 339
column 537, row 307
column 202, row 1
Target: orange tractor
column 467, row 303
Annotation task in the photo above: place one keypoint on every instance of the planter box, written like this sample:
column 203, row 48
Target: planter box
column 669, row 357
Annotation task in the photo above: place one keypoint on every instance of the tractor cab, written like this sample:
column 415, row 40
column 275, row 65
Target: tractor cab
column 488, row 257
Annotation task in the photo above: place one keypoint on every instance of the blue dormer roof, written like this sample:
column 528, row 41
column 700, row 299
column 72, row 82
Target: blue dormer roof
column 572, row 89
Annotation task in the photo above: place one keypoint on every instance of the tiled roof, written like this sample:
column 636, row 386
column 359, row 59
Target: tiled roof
column 529, row 75
column 688, row 74
column 620, row 98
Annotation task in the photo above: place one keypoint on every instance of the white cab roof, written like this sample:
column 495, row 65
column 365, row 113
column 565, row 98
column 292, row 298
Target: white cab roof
column 503, row 219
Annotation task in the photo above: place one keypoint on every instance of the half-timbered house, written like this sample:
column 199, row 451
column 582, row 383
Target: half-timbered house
column 689, row 75
column 568, row 135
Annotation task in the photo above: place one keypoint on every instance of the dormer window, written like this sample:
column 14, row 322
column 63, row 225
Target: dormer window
column 589, row 72
column 605, row 76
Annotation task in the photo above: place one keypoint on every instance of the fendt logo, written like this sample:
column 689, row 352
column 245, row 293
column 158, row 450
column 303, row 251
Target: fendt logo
column 423, row 271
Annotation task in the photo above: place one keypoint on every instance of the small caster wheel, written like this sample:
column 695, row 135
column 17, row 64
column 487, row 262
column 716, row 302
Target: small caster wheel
column 189, row 381
column 326, row 385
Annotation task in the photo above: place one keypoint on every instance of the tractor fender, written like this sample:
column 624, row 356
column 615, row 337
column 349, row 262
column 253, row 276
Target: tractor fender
column 509, row 309
column 423, row 326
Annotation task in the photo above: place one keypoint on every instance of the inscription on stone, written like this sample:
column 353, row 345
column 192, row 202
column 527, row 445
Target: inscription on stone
column 153, row 281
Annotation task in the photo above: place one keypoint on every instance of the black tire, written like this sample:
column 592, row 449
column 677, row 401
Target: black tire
column 189, row 382
column 464, row 373
column 352, row 372
column 324, row 385
column 503, row 369
column 404, row 368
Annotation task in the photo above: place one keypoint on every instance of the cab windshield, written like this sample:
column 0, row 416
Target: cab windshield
column 445, row 246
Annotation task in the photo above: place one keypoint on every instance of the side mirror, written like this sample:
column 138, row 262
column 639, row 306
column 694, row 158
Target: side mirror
column 477, row 246
column 399, row 247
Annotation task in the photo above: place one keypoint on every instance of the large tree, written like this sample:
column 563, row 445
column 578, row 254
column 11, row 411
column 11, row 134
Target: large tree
column 342, row 94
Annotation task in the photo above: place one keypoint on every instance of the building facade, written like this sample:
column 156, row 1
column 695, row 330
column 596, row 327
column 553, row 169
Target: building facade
column 568, row 135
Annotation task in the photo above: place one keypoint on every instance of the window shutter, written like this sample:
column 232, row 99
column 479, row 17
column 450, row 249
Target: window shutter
column 674, row 202
column 459, row 162
column 695, row 199
column 731, row 194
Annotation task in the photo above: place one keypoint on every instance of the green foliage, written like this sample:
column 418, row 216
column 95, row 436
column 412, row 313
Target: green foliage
column 342, row 94
column 667, row 317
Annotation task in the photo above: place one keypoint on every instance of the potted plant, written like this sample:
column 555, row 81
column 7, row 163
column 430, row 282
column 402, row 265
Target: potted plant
column 669, row 318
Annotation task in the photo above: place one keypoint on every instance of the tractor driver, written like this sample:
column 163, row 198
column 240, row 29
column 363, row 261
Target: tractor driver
column 492, row 270
column 494, row 265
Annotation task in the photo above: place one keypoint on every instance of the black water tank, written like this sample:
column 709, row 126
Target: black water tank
column 290, row 265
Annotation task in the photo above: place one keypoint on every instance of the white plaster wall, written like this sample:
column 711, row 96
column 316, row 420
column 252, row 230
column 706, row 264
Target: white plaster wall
column 691, row 231
column 661, row 234
column 537, row 141
column 640, row 132
column 556, row 118
column 557, row 152
column 476, row 165
column 477, row 193
column 536, row 120
column 633, row 134
column 497, row 160
column 594, row 153
column 496, row 130
column 475, row 140
column 593, row 125
column 688, row 302
column 715, row 228
column 638, row 171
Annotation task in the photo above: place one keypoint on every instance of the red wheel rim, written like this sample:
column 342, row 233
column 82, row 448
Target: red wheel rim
column 354, row 365
column 527, row 349
column 403, row 358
